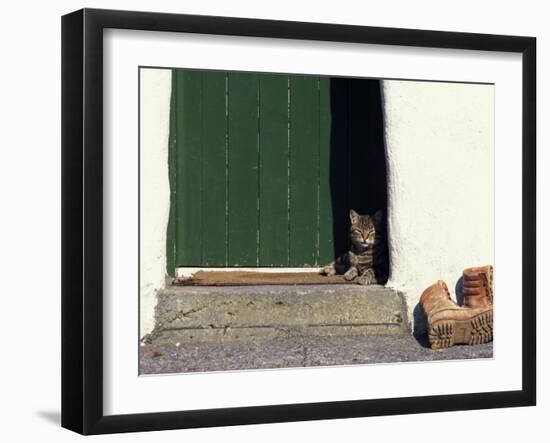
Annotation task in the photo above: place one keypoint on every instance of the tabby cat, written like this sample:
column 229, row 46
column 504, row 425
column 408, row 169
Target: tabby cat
column 366, row 261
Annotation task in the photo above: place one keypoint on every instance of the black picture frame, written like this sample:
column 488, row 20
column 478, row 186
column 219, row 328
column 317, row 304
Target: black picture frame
column 82, row 219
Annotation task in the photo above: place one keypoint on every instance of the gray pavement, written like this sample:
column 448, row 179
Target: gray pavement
column 297, row 352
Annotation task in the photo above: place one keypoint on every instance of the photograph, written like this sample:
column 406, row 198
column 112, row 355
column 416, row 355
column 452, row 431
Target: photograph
column 291, row 220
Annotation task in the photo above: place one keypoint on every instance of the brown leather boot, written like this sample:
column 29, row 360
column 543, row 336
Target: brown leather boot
column 478, row 287
column 450, row 324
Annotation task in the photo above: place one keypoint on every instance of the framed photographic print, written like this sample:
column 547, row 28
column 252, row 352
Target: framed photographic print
column 269, row 221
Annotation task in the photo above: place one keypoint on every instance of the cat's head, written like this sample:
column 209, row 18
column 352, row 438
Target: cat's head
column 363, row 229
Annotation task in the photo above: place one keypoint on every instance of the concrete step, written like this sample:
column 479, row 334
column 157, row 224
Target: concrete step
column 188, row 314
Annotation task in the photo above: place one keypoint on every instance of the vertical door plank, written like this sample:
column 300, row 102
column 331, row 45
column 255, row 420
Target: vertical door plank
column 339, row 163
column 243, row 170
column 214, row 168
column 304, row 170
column 326, row 243
column 188, row 169
column 273, row 241
column 172, row 159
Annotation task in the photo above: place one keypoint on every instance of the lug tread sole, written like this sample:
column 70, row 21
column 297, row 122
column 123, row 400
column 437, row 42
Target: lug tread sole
column 473, row 331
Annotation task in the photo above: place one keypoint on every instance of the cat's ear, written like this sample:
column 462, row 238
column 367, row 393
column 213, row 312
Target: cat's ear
column 378, row 217
column 353, row 216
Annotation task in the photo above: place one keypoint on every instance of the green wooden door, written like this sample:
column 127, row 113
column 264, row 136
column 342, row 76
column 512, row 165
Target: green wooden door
column 254, row 177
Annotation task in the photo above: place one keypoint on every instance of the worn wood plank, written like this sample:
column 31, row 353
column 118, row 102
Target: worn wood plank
column 304, row 170
column 326, row 243
column 214, row 169
column 189, row 166
column 172, row 162
column 244, row 278
column 274, row 180
column 243, row 170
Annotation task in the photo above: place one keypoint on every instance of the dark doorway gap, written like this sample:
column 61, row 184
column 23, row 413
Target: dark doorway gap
column 357, row 159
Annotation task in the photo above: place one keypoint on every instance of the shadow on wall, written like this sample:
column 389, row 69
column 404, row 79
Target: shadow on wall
column 52, row 417
column 357, row 158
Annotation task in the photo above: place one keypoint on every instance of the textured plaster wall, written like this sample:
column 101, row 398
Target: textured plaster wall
column 155, row 89
column 440, row 148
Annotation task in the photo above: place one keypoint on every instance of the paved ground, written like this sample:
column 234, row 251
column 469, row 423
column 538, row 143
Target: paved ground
column 297, row 352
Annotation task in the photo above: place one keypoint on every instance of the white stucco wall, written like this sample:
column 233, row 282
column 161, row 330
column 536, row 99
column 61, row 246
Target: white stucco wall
column 155, row 90
column 440, row 148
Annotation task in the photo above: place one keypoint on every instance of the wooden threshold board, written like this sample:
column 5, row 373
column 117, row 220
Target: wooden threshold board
column 243, row 278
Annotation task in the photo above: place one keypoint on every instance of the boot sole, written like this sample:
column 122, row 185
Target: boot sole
column 474, row 331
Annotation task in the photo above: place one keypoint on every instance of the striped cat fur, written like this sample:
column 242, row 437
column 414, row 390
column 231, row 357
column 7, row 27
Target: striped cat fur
column 366, row 262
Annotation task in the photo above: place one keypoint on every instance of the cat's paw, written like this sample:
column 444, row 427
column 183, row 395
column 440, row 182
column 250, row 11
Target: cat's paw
column 367, row 278
column 364, row 280
column 329, row 271
column 350, row 274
